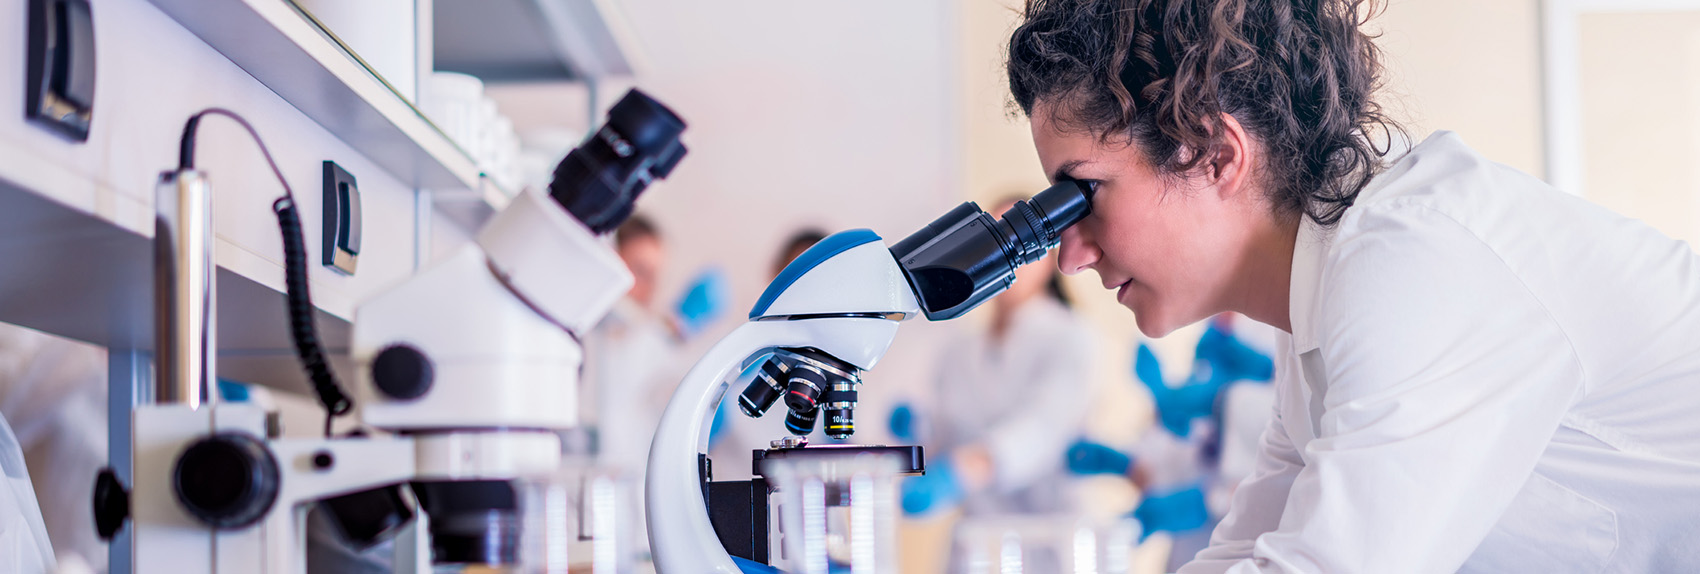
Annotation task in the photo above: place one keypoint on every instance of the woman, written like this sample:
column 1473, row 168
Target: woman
column 1480, row 373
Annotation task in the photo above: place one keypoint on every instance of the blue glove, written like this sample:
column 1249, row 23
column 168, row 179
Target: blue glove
column 704, row 301
column 1223, row 358
column 1087, row 457
column 935, row 491
column 1176, row 511
column 902, row 422
column 233, row 392
column 1176, row 407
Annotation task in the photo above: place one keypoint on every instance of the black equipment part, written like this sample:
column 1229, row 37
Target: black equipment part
column 914, row 459
column 801, row 423
column 227, row 480
column 963, row 258
column 402, row 372
column 369, row 516
column 601, row 178
column 111, row 504
column 472, row 522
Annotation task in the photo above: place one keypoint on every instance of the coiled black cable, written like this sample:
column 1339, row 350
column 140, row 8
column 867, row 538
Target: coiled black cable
column 299, row 302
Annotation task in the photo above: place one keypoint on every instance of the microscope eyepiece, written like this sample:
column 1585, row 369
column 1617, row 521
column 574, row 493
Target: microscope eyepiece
column 961, row 259
column 601, row 178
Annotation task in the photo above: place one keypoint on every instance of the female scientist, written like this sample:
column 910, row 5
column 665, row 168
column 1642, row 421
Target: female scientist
column 1478, row 372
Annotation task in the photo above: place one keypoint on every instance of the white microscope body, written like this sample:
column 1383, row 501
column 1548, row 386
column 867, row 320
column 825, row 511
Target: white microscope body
column 843, row 298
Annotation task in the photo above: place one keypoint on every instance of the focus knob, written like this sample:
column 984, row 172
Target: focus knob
column 228, row 480
column 402, row 373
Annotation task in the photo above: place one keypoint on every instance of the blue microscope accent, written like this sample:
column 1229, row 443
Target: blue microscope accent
column 827, row 248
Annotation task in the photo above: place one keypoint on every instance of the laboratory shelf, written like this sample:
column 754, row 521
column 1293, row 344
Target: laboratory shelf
column 273, row 41
column 533, row 40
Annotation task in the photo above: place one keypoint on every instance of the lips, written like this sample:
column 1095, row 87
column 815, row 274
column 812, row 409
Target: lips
column 1122, row 291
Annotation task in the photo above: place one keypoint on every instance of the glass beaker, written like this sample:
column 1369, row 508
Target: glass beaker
column 579, row 519
column 837, row 512
column 1043, row 545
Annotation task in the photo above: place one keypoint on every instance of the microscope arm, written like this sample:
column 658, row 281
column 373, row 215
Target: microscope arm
column 684, row 539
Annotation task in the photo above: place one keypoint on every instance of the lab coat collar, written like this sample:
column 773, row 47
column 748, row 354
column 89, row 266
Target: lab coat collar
column 1306, row 283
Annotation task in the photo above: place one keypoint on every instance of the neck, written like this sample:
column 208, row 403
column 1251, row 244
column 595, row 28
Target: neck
column 1266, row 279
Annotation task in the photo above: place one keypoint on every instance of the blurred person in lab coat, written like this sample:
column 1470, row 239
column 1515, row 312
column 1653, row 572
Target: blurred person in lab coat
column 633, row 355
column 1478, row 372
column 1008, row 400
column 53, row 397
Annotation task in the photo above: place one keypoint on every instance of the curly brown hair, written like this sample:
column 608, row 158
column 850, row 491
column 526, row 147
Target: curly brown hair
column 1298, row 75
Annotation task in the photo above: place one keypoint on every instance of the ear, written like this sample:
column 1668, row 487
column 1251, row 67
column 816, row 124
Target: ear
column 1230, row 166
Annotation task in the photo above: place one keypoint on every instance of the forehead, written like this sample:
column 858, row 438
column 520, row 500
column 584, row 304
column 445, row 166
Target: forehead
column 1059, row 144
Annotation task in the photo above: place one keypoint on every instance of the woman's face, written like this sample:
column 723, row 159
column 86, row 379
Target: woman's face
column 1168, row 246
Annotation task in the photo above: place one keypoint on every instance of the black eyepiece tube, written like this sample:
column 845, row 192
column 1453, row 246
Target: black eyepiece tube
column 965, row 257
column 600, row 179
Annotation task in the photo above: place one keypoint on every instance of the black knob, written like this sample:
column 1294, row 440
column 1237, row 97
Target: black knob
column 228, row 480
column 402, row 373
column 111, row 504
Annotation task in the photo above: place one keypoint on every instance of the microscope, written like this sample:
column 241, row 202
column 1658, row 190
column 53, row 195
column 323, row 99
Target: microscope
column 829, row 316
column 469, row 368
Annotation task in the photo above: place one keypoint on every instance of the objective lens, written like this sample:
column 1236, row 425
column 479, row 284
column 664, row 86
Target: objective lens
column 801, row 423
column 806, row 384
column 765, row 389
column 840, row 406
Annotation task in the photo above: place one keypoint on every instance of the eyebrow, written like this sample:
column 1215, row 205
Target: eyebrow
column 1065, row 171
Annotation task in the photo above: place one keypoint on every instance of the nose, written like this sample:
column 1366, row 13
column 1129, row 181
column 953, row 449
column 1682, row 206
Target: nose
column 1078, row 252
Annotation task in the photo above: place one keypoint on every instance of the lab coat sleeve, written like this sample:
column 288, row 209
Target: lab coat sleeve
column 1445, row 380
column 1029, row 446
column 1257, row 502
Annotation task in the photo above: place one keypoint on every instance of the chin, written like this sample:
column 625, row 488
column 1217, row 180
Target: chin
column 1152, row 322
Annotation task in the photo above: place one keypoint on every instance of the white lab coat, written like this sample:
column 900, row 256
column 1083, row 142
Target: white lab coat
column 24, row 548
column 1023, row 397
column 631, row 368
column 53, row 393
column 1484, row 375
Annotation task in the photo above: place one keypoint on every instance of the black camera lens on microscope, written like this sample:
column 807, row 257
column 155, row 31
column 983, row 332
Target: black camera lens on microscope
column 600, row 179
column 768, row 386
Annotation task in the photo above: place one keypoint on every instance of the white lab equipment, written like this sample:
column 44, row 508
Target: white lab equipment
column 838, row 514
column 1043, row 544
column 1499, row 378
column 24, row 547
column 578, row 519
column 471, row 365
column 830, row 315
